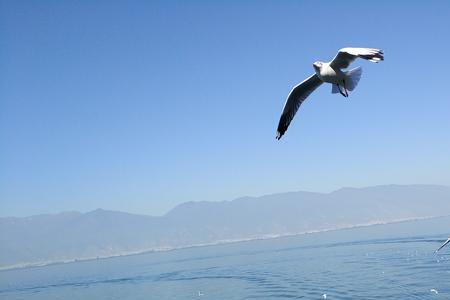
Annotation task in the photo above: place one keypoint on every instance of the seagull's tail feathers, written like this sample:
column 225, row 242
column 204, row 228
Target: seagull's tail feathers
column 352, row 78
column 334, row 89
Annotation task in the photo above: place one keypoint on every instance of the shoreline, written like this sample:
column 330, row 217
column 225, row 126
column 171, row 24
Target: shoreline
column 214, row 243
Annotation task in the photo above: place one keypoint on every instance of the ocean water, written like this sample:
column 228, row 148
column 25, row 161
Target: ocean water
column 395, row 261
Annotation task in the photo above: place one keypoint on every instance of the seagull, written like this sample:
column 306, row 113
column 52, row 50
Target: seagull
column 443, row 245
column 330, row 72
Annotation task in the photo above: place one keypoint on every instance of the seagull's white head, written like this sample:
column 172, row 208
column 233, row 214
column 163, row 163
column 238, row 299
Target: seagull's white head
column 317, row 65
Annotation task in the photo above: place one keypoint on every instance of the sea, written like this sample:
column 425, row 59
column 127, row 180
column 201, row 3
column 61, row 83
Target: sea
column 392, row 261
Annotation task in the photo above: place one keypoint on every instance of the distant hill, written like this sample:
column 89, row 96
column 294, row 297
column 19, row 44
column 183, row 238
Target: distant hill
column 101, row 233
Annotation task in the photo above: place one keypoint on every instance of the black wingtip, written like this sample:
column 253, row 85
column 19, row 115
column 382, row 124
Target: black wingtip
column 279, row 134
column 282, row 127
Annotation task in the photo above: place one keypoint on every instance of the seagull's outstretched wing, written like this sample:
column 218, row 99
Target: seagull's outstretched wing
column 346, row 56
column 443, row 245
column 298, row 94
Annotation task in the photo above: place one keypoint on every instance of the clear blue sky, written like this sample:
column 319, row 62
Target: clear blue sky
column 141, row 105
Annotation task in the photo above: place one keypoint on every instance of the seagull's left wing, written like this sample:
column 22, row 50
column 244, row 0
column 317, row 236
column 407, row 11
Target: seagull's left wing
column 346, row 56
column 443, row 245
column 296, row 97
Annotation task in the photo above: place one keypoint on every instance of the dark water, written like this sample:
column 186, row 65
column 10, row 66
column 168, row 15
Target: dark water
column 377, row 262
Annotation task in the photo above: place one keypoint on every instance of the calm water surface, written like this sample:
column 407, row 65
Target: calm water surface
column 376, row 262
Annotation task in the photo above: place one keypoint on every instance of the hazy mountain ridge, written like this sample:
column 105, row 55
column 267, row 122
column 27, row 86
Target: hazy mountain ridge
column 74, row 235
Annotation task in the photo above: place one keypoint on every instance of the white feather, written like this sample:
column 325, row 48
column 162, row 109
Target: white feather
column 353, row 77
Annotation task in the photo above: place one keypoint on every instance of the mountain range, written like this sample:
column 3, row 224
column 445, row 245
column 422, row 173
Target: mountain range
column 72, row 236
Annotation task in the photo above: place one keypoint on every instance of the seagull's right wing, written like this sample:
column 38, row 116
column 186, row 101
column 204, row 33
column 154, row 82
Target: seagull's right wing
column 443, row 245
column 296, row 97
column 346, row 56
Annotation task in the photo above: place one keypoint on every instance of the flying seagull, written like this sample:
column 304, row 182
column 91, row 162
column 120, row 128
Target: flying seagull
column 443, row 245
column 331, row 72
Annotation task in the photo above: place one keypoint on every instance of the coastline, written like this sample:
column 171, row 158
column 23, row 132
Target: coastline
column 213, row 243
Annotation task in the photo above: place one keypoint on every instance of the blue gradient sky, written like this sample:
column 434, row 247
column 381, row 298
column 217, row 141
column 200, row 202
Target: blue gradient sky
column 138, row 106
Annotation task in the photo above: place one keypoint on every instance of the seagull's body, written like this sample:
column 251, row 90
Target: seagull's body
column 329, row 72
